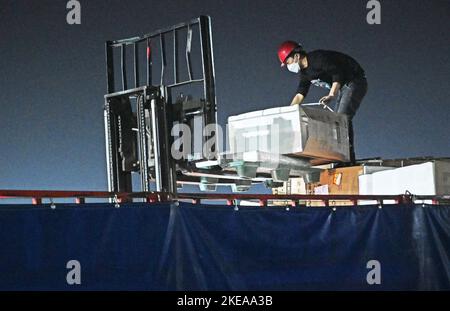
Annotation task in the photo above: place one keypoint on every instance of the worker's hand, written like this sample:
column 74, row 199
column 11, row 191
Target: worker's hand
column 326, row 99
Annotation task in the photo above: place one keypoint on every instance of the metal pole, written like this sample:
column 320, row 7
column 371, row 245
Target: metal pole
column 149, row 62
column 136, row 65
column 175, row 56
column 108, row 148
column 209, row 76
column 109, row 67
column 164, row 165
column 123, row 67
column 188, row 51
column 163, row 58
column 142, row 139
column 156, row 138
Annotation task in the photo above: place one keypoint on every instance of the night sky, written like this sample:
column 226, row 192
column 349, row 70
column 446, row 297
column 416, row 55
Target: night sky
column 52, row 74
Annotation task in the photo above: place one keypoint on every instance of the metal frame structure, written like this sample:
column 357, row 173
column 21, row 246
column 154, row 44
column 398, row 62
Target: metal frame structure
column 156, row 111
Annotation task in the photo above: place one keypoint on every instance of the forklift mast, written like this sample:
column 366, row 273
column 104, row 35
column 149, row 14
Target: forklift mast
column 144, row 102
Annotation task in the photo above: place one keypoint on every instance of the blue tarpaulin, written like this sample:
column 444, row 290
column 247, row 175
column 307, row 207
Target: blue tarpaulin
column 199, row 247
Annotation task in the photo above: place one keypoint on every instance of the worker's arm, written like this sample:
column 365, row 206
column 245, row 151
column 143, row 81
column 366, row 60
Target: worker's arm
column 302, row 91
column 297, row 100
column 333, row 93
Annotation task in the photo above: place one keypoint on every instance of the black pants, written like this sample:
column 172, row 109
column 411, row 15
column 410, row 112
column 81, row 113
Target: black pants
column 349, row 99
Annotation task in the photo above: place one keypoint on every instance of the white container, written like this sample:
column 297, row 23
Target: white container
column 430, row 178
column 293, row 130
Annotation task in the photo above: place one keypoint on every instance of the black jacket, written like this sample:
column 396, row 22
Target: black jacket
column 326, row 67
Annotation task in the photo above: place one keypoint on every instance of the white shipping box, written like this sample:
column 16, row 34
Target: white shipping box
column 292, row 130
column 430, row 178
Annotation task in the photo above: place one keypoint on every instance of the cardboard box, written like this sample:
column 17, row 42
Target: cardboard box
column 341, row 181
column 292, row 186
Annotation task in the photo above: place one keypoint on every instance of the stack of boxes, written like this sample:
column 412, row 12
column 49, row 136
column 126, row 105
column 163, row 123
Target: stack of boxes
column 428, row 178
column 320, row 137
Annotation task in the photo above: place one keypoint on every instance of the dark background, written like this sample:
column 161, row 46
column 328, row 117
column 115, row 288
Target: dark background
column 52, row 78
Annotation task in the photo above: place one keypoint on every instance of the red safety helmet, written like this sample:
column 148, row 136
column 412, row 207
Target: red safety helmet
column 286, row 49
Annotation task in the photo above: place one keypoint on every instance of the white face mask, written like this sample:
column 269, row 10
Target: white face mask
column 294, row 67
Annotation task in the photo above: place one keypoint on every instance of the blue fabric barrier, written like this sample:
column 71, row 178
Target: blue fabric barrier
column 197, row 247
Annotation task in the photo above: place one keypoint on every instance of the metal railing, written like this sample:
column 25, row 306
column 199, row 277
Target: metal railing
column 37, row 197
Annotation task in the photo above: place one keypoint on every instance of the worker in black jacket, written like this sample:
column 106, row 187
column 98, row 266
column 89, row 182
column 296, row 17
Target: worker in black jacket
column 336, row 71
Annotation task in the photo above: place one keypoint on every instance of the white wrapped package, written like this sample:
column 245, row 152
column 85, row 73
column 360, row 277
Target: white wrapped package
column 294, row 130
